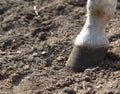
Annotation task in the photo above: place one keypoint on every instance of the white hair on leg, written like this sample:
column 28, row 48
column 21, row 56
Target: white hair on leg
column 99, row 12
column 93, row 34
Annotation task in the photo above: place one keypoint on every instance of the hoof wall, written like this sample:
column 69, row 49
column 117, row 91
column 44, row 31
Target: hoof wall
column 83, row 57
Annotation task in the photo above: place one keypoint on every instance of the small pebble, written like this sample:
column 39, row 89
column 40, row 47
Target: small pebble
column 60, row 58
column 3, row 72
column 35, row 54
column 15, row 66
column 99, row 86
column 26, row 67
column 43, row 53
column 18, row 52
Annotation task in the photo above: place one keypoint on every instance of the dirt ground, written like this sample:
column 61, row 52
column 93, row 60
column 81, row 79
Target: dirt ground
column 35, row 44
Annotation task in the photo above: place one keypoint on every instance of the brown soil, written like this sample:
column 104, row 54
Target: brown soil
column 35, row 44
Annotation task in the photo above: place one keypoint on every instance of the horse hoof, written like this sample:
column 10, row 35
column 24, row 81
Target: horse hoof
column 84, row 57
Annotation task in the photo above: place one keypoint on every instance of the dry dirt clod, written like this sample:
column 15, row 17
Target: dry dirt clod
column 68, row 90
column 87, row 79
column 3, row 72
column 43, row 36
column 26, row 67
column 118, row 65
column 60, row 58
column 99, row 86
column 2, row 53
